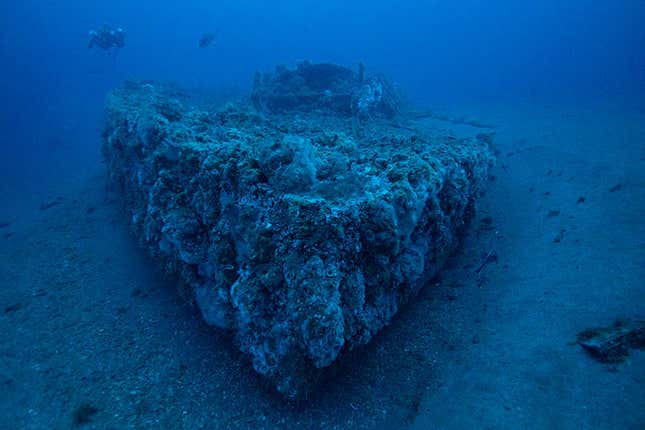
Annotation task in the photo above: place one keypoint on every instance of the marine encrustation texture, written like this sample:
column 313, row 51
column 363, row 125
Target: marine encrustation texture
column 298, row 232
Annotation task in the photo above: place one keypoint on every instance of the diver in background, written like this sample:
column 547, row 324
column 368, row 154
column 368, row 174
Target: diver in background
column 107, row 37
column 208, row 39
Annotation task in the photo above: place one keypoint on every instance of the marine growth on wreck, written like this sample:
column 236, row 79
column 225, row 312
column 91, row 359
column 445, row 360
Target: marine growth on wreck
column 302, row 220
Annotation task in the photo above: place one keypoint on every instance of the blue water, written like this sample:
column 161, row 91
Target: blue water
column 564, row 81
column 439, row 52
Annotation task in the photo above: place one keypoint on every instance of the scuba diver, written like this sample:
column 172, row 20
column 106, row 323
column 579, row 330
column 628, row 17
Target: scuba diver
column 208, row 39
column 107, row 37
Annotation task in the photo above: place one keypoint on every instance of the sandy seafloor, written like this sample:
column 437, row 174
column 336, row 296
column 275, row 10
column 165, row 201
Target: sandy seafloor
column 86, row 318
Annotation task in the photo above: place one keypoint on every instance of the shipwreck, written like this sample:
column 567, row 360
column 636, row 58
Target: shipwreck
column 301, row 219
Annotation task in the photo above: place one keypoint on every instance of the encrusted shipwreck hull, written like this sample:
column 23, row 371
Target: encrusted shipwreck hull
column 299, row 235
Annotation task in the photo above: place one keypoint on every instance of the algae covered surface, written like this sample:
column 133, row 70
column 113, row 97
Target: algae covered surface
column 303, row 232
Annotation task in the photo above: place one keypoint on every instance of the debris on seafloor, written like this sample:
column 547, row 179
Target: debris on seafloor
column 50, row 203
column 486, row 224
column 13, row 308
column 83, row 414
column 560, row 236
column 288, row 224
column 490, row 257
column 553, row 213
column 612, row 344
